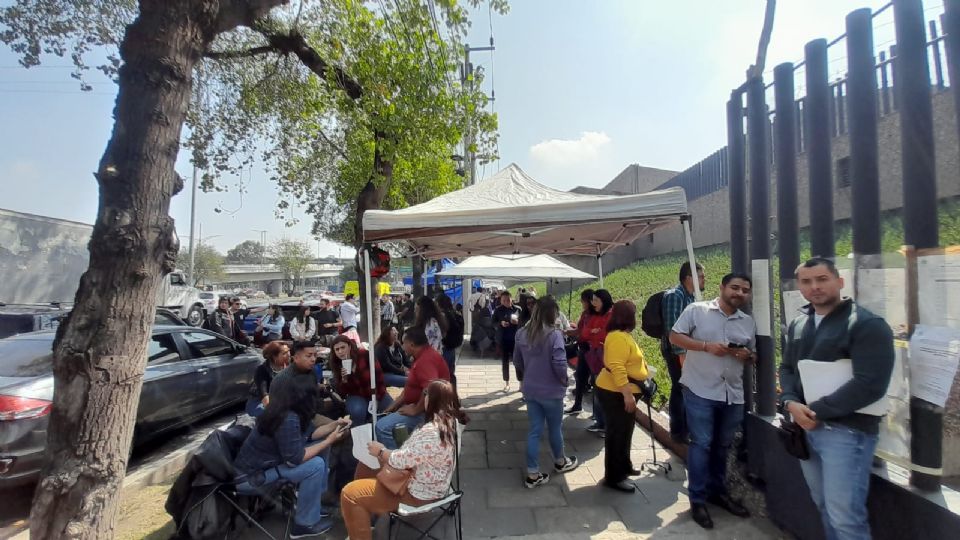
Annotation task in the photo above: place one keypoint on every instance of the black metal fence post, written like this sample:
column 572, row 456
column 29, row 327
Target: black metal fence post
column 920, row 226
column 788, row 229
column 864, row 154
column 757, row 129
column 737, row 182
column 817, row 124
column 950, row 25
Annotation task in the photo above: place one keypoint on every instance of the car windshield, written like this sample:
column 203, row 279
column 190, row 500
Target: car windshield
column 26, row 357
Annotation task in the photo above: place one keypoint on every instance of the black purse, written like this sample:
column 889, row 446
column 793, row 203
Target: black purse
column 794, row 439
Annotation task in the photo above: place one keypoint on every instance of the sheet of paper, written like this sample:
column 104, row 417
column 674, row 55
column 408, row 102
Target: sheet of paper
column 934, row 356
column 362, row 435
column 824, row 378
column 761, row 295
column 883, row 291
column 938, row 289
column 894, row 441
column 847, row 275
column 792, row 302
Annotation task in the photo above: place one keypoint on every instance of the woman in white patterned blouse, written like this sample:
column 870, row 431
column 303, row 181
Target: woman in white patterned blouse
column 429, row 453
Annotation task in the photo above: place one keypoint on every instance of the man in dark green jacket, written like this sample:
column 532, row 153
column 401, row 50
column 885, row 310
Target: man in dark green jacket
column 841, row 440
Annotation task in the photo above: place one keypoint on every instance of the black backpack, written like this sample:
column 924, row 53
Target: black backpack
column 651, row 318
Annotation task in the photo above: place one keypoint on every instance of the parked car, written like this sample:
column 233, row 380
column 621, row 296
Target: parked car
column 191, row 373
column 23, row 318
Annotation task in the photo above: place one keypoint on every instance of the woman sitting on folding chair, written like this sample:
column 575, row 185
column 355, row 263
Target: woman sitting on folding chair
column 279, row 448
column 430, row 453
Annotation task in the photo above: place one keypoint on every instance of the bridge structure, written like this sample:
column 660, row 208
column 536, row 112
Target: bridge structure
column 269, row 278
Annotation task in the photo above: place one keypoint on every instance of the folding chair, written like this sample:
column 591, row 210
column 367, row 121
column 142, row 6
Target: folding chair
column 450, row 505
column 282, row 493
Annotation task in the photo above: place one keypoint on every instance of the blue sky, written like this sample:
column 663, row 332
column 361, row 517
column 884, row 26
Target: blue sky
column 583, row 89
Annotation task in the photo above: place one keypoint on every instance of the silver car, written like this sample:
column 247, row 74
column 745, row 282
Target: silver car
column 191, row 373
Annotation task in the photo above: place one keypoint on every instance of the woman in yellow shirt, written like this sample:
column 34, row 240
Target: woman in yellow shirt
column 622, row 362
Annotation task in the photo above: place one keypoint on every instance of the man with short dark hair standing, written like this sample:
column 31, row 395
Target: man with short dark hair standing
column 328, row 322
column 718, row 339
column 674, row 301
column 841, row 439
column 407, row 312
column 387, row 310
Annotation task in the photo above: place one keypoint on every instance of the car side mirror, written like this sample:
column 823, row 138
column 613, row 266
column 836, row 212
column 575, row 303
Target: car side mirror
column 238, row 348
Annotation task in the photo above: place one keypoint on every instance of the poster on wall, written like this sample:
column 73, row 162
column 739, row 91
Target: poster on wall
column 934, row 357
column 761, row 296
column 893, row 444
column 938, row 288
column 883, row 291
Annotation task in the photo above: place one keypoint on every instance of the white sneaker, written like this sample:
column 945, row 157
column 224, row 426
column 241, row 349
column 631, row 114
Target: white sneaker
column 540, row 480
column 570, row 463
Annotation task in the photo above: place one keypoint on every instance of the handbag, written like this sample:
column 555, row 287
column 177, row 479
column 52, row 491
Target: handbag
column 794, row 439
column 594, row 358
column 394, row 479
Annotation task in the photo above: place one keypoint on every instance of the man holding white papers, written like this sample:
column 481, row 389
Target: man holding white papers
column 840, row 433
column 718, row 339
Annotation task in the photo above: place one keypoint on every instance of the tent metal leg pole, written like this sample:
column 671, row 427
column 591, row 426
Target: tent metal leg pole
column 570, row 301
column 600, row 269
column 370, row 337
column 688, row 237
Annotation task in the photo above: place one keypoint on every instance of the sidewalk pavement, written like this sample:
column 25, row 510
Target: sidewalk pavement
column 572, row 505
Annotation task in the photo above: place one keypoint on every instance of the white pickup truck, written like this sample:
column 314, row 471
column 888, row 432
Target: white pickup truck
column 176, row 295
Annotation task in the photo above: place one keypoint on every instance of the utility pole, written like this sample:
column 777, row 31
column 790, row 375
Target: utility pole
column 193, row 218
column 263, row 243
column 466, row 82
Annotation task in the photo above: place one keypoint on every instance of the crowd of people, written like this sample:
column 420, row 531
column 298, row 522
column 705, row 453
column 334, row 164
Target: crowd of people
column 302, row 418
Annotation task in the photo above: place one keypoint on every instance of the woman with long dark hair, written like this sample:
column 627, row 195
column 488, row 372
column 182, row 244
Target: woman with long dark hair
column 271, row 324
column 389, row 354
column 280, row 447
column 582, row 373
column 430, row 453
column 276, row 357
column 540, row 354
column 594, row 333
column 452, row 336
column 304, row 327
column 351, row 378
column 618, row 389
column 431, row 320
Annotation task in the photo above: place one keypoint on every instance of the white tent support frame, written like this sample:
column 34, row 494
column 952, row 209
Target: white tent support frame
column 493, row 216
column 372, row 409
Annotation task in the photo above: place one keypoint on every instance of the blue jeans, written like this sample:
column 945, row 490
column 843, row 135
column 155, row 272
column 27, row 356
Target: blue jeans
column 386, row 424
column 254, row 407
column 311, row 480
column 450, row 356
column 838, row 474
column 394, row 380
column 598, row 415
column 357, row 407
column 538, row 412
column 712, row 425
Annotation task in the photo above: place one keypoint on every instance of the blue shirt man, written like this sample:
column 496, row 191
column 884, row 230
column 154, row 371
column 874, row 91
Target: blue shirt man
column 674, row 302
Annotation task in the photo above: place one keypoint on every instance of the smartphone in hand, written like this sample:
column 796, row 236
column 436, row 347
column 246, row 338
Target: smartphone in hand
column 733, row 345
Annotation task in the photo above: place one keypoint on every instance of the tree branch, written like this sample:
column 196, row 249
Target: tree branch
column 296, row 44
column 234, row 13
column 227, row 55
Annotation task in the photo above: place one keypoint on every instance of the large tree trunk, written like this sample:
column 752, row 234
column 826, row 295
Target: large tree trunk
column 100, row 352
column 416, row 263
column 370, row 198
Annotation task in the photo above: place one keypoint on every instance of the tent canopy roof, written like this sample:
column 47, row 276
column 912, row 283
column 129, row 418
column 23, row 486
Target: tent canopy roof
column 511, row 213
column 515, row 266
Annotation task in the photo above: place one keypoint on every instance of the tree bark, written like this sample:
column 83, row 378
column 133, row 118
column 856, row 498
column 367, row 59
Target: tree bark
column 417, row 288
column 371, row 198
column 100, row 351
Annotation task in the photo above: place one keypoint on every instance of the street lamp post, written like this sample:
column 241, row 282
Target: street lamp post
column 263, row 243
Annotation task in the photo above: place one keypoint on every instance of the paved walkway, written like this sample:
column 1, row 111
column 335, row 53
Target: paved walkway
column 572, row 505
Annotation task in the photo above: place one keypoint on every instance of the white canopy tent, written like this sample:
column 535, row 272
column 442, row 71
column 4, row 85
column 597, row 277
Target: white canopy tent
column 511, row 213
column 516, row 267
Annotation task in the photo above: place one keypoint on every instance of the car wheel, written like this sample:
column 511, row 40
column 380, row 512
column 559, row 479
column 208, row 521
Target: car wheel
column 195, row 316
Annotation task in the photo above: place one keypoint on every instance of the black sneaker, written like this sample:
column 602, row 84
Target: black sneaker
column 729, row 504
column 569, row 463
column 302, row 531
column 573, row 410
column 701, row 515
column 540, row 480
column 596, row 428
